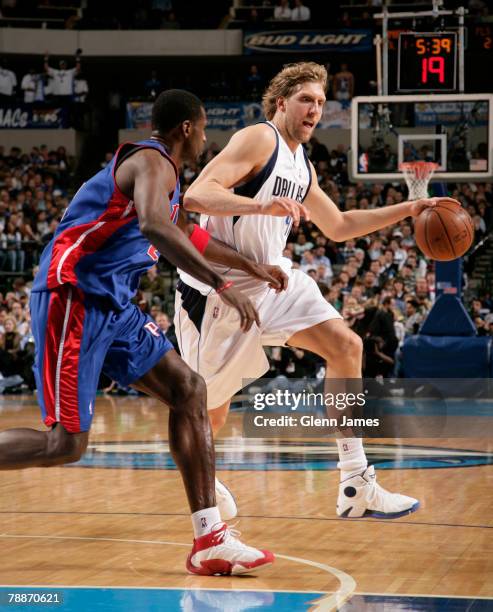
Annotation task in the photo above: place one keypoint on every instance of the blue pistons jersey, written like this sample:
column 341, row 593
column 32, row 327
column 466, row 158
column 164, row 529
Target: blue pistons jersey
column 98, row 246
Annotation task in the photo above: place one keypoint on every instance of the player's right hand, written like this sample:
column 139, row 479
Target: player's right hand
column 275, row 276
column 239, row 301
column 285, row 207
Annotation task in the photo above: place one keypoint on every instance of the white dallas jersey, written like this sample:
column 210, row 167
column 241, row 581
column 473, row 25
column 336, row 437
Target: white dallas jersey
column 261, row 238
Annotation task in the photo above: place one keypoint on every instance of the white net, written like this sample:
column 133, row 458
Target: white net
column 418, row 175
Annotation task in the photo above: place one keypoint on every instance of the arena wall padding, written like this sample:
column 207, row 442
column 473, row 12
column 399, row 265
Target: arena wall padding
column 448, row 317
column 425, row 356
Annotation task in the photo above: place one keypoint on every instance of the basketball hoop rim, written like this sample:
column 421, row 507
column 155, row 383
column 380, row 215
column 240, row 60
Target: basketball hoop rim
column 417, row 175
column 425, row 168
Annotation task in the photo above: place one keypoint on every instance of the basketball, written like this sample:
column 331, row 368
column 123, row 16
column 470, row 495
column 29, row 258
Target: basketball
column 444, row 232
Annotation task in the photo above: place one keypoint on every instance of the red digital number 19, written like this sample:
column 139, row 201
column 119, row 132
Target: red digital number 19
column 433, row 65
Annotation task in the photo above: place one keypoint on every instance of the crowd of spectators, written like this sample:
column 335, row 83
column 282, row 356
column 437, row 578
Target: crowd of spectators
column 169, row 14
column 62, row 85
column 381, row 283
column 33, row 196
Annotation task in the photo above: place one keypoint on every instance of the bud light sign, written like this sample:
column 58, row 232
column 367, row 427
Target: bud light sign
column 288, row 41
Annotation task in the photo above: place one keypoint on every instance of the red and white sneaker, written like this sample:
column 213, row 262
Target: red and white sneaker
column 221, row 553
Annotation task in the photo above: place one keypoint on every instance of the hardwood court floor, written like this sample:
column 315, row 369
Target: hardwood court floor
column 120, row 517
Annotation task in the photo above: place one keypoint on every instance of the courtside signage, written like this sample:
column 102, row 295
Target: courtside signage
column 28, row 117
column 342, row 41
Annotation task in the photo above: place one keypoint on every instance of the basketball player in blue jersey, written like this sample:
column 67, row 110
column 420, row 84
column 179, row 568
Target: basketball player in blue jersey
column 263, row 162
column 84, row 322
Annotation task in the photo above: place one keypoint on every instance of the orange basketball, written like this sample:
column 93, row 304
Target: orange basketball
column 445, row 231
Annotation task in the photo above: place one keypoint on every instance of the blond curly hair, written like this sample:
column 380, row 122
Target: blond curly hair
column 285, row 82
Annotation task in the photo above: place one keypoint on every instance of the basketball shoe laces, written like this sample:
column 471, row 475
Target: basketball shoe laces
column 229, row 537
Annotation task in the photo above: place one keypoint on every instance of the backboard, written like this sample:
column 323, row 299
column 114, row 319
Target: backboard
column 453, row 130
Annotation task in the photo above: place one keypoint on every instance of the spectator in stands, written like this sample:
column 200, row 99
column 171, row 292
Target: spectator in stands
column 307, row 261
column 63, row 78
column 399, row 254
column 300, row 12
column 479, row 228
column 343, row 84
column 370, row 285
column 407, row 240
column 398, row 293
column 153, row 86
column 375, row 249
column 81, row 88
column 477, row 309
column 383, row 325
column 324, row 274
column 29, row 85
column 20, row 316
column 167, row 327
column 421, row 290
column 377, row 363
column 254, row 83
column 413, row 317
column 408, row 277
column 389, row 266
column 15, row 255
column 8, row 82
column 9, row 348
column 163, row 321
column 302, row 245
column 349, row 249
column 318, row 151
column 45, row 238
column 45, row 88
column 321, row 259
column 169, row 22
column 282, row 11
column 344, row 282
column 152, row 285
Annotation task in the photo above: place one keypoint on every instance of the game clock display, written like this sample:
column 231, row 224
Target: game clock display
column 427, row 61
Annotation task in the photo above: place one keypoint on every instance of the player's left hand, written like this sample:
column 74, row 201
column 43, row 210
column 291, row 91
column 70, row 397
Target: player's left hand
column 417, row 206
column 273, row 275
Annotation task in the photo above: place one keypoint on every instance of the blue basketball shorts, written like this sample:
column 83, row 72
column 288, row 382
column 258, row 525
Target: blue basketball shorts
column 77, row 337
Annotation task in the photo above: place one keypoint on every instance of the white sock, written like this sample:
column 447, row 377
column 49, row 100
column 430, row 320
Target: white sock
column 204, row 520
column 352, row 458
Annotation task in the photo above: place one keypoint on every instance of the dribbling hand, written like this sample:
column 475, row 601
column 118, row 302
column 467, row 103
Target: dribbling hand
column 417, row 206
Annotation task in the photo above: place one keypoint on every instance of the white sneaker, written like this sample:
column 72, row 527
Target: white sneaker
column 225, row 502
column 221, row 553
column 361, row 495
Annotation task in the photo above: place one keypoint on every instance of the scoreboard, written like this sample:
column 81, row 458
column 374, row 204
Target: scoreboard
column 427, row 61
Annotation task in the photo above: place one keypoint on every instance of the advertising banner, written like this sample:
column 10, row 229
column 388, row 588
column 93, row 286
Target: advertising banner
column 289, row 41
column 19, row 116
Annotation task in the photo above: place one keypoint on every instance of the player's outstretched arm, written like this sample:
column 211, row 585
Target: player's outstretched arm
column 243, row 157
column 340, row 226
column 146, row 177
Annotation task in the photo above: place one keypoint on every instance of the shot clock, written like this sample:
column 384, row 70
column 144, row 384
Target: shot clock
column 427, row 61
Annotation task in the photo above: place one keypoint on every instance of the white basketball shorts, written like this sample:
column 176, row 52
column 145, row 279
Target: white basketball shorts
column 212, row 343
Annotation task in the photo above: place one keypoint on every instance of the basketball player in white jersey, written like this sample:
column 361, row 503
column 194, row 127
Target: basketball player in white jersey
column 236, row 194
